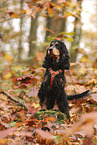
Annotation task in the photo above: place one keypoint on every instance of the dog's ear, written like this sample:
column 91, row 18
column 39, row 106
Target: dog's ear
column 47, row 62
column 64, row 50
column 64, row 57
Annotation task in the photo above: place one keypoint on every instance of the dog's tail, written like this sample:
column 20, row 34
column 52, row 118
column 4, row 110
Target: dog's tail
column 77, row 96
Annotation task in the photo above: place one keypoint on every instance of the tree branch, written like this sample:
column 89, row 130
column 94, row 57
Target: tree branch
column 21, row 16
column 10, row 97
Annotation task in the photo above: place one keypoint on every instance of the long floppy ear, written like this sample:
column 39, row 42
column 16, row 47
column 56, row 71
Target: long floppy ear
column 65, row 51
column 64, row 57
column 47, row 61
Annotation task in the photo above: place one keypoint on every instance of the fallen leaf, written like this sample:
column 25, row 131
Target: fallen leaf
column 49, row 30
column 6, row 132
column 94, row 98
column 7, row 76
column 23, row 12
column 80, row 133
column 23, row 134
column 50, row 119
column 3, row 141
column 86, row 124
column 44, row 134
column 14, row 15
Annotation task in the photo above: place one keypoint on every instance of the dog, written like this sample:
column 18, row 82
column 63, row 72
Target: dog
column 51, row 93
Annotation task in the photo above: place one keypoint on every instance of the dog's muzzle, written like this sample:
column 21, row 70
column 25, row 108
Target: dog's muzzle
column 53, row 51
column 50, row 49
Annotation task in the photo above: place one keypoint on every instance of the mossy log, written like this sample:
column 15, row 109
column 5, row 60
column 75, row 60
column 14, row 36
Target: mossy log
column 59, row 116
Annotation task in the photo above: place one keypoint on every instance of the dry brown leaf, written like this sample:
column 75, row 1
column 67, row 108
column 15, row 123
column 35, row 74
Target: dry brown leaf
column 23, row 134
column 14, row 15
column 23, row 12
column 49, row 30
column 85, row 124
column 74, row 110
column 94, row 98
column 6, row 132
column 80, row 133
column 50, row 9
column 44, row 134
column 88, row 141
column 50, row 119
column 3, row 141
column 92, row 81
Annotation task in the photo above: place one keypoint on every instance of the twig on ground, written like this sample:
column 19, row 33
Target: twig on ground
column 10, row 97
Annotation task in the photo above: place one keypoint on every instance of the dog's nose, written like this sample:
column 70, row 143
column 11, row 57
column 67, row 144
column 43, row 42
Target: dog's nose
column 50, row 49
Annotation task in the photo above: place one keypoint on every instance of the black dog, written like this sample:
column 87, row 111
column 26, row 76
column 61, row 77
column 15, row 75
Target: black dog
column 51, row 93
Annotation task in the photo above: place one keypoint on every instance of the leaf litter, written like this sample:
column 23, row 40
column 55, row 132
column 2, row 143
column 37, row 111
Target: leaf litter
column 18, row 125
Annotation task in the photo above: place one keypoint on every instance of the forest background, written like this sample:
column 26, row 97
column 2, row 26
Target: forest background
column 26, row 29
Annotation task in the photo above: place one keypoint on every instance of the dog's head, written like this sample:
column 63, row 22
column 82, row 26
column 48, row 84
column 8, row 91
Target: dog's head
column 57, row 48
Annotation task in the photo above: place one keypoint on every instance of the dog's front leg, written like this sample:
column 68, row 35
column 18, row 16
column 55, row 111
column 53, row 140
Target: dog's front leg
column 43, row 105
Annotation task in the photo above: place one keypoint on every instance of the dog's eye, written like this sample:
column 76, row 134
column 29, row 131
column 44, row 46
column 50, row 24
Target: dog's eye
column 56, row 43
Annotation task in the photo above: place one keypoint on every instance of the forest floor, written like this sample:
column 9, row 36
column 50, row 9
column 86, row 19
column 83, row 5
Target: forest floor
column 19, row 103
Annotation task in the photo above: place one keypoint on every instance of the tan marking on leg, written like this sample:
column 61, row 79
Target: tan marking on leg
column 43, row 106
column 55, row 106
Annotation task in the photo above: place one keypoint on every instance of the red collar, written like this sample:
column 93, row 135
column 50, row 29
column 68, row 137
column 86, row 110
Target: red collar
column 53, row 74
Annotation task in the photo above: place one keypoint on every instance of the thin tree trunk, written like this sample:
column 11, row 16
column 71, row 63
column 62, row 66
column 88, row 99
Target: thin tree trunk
column 20, row 36
column 77, row 36
column 55, row 23
column 33, row 37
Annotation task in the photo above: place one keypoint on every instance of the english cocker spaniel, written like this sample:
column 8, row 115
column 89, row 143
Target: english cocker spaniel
column 51, row 93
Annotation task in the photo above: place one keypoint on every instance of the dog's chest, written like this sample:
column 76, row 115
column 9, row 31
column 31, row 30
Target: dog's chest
column 55, row 63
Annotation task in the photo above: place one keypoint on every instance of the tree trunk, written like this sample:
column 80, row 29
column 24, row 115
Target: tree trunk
column 20, row 35
column 77, row 36
column 33, row 37
column 55, row 23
